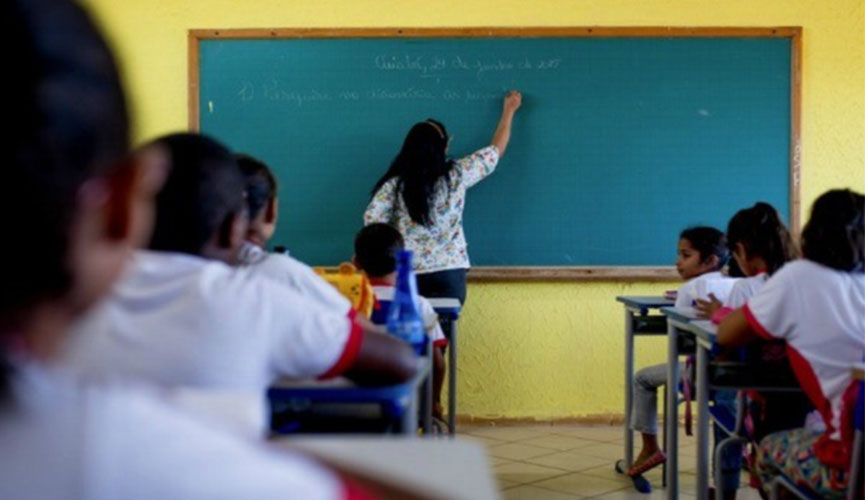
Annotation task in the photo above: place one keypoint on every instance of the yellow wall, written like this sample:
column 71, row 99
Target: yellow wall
column 529, row 350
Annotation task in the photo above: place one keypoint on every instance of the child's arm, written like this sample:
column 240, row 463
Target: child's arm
column 502, row 135
column 383, row 359
column 735, row 331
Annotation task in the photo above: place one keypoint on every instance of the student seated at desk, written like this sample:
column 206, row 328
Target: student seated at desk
column 67, row 159
column 181, row 316
column 262, row 202
column 760, row 245
column 702, row 253
column 816, row 305
column 375, row 249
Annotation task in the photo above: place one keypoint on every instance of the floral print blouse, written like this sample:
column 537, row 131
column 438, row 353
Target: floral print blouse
column 441, row 245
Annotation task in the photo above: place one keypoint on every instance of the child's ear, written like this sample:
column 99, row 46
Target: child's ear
column 233, row 230
column 713, row 261
column 272, row 211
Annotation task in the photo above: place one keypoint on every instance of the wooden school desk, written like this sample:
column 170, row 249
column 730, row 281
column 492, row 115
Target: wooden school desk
column 638, row 322
column 399, row 402
column 450, row 309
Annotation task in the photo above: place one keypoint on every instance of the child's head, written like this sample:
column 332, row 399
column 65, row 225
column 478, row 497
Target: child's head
column 375, row 249
column 759, row 241
column 835, row 234
column 66, row 159
column 202, row 208
column 421, row 163
column 260, row 199
column 701, row 250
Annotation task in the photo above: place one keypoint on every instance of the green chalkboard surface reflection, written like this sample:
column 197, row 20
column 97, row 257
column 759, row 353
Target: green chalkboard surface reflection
column 620, row 143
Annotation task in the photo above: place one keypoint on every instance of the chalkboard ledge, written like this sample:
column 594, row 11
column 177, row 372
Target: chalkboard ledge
column 573, row 273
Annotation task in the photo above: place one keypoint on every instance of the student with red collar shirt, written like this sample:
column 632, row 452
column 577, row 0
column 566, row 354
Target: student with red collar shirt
column 375, row 250
column 183, row 316
column 817, row 306
column 760, row 244
column 67, row 157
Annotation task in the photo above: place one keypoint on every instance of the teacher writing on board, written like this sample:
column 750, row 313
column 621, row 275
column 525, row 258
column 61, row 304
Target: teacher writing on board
column 423, row 195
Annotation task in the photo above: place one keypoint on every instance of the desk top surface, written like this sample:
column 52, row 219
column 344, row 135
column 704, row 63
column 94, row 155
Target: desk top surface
column 645, row 301
column 454, row 469
column 446, row 305
column 680, row 314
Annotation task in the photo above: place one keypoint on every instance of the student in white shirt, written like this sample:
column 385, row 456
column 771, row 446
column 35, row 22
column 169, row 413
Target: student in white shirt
column 702, row 253
column 262, row 201
column 816, row 305
column 182, row 316
column 760, row 244
column 375, row 249
column 89, row 207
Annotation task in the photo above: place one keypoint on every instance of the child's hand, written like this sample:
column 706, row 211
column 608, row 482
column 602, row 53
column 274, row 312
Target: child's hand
column 513, row 101
column 707, row 308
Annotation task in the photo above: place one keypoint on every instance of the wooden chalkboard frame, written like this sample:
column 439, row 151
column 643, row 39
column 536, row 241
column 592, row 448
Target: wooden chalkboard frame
column 545, row 273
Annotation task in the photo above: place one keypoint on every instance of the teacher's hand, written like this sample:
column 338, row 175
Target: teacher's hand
column 512, row 101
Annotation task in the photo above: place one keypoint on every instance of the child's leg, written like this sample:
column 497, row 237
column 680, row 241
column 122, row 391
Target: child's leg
column 731, row 459
column 644, row 412
column 438, row 380
column 792, row 452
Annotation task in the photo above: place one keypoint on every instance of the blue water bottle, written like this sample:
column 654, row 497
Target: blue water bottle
column 404, row 319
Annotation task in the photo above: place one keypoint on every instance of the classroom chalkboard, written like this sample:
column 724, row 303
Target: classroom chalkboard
column 623, row 139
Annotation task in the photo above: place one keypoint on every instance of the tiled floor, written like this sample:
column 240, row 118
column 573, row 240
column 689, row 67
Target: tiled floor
column 570, row 462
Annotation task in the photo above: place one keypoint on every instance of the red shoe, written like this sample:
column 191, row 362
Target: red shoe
column 653, row 461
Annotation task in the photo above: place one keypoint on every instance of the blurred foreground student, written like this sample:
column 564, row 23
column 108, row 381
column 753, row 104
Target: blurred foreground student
column 66, row 157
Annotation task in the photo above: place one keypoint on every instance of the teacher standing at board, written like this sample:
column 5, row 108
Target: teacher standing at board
column 423, row 195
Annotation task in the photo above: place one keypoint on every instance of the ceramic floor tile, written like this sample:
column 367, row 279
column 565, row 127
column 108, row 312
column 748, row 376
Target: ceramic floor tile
column 594, row 433
column 631, row 494
column 557, row 442
column 517, row 451
column 581, row 484
column 486, row 441
column 534, row 493
column 569, row 461
column 609, row 451
column 520, row 472
column 508, row 433
column 498, row 461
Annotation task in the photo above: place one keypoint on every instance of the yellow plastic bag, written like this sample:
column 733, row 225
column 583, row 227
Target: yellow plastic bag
column 352, row 284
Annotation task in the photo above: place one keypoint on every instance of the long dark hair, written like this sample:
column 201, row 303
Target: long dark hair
column 70, row 125
column 708, row 241
column 835, row 234
column 418, row 167
column 760, row 230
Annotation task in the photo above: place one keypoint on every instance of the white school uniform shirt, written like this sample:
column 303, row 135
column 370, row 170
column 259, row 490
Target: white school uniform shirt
column 181, row 320
column 64, row 440
column 820, row 313
column 428, row 314
column 295, row 274
column 700, row 287
column 745, row 288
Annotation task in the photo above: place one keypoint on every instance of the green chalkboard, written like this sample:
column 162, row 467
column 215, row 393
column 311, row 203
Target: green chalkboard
column 621, row 141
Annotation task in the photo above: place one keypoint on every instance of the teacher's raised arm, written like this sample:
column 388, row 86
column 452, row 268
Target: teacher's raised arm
column 502, row 135
column 423, row 193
